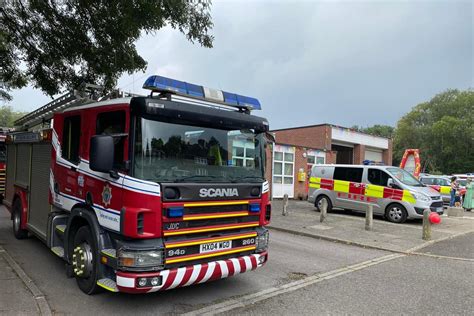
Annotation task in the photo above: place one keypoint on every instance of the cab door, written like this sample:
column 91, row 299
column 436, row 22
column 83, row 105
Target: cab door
column 378, row 177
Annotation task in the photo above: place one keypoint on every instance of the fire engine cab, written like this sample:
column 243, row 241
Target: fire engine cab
column 141, row 194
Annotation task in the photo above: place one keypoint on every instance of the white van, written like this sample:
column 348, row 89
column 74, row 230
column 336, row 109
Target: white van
column 392, row 191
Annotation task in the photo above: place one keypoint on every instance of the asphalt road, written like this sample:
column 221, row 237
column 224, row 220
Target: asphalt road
column 291, row 258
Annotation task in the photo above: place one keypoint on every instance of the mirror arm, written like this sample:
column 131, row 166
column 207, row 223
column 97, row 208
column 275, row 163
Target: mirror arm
column 114, row 174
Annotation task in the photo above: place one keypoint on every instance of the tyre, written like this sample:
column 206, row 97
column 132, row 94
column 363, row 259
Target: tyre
column 396, row 213
column 17, row 222
column 319, row 203
column 85, row 260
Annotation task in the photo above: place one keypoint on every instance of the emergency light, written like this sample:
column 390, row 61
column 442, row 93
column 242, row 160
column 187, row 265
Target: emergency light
column 163, row 84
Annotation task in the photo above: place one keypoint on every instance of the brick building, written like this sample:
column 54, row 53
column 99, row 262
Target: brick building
column 296, row 149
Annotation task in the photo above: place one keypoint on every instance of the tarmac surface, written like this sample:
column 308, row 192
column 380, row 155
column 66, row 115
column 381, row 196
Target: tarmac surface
column 309, row 272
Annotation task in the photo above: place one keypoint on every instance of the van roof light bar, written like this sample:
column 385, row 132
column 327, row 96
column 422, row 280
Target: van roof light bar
column 167, row 85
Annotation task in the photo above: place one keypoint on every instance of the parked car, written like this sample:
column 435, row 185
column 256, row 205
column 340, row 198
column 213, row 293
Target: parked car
column 442, row 184
column 392, row 191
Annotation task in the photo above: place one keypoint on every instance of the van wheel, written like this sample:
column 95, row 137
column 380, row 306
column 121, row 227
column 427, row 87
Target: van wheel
column 319, row 203
column 396, row 213
column 84, row 261
column 17, row 230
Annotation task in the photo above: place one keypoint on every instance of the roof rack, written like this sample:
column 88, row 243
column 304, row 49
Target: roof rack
column 87, row 93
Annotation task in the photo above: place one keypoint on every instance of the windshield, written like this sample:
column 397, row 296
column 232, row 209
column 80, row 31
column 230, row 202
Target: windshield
column 462, row 182
column 404, row 177
column 166, row 152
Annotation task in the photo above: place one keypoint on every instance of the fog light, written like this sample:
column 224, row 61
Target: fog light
column 262, row 259
column 142, row 282
column 155, row 281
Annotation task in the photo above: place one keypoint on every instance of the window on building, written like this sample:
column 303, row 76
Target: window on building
column 348, row 174
column 113, row 124
column 71, row 139
column 377, row 177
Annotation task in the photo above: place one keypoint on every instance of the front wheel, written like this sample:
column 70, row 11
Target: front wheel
column 319, row 203
column 84, row 260
column 396, row 213
column 17, row 222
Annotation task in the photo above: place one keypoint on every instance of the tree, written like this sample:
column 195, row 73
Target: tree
column 377, row 130
column 8, row 116
column 443, row 130
column 62, row 44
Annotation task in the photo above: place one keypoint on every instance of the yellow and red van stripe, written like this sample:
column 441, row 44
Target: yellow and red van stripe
column 367, row 190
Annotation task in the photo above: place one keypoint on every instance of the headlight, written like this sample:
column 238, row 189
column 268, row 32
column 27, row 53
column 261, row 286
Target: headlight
column 140, row 260
column 262, row 241
column 421, row 197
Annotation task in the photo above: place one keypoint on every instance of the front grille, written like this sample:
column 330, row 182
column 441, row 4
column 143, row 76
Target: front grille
column 2, row 181
column 435, row 197
column 436, row 204
column 210, row 232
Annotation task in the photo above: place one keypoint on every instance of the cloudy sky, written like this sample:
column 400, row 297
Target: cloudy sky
column 345, row 62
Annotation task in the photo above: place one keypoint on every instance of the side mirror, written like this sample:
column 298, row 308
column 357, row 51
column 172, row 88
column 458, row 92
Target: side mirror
column 390, row 182
column 101, row 157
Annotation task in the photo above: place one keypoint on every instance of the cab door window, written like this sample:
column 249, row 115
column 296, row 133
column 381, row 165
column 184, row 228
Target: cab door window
column 71, row 139
column 377, row 177
column 113, row 124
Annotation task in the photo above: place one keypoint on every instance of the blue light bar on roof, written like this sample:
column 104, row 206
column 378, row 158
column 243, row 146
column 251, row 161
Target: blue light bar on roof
column 163, row 84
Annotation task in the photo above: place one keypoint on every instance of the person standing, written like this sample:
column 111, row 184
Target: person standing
column 468, row 202
column 454, row 188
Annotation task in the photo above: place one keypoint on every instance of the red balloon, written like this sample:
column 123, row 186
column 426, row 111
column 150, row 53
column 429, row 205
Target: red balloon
column 435, row 218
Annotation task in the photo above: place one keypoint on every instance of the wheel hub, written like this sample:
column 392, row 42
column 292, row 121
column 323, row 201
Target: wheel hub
column 395, row 213
column 82, row 260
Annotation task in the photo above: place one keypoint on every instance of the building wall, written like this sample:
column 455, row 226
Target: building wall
column 311, row 137
column 318, row 138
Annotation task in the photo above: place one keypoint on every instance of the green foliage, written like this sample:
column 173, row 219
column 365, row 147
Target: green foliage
column 377, row 130
column 443, row 130
column 8, row 116
column 61, row 44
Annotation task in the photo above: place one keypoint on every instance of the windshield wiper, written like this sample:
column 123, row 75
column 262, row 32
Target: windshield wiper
column 234, row 180
column 197, row 176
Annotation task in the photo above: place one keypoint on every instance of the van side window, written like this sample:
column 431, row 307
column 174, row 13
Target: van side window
column 348, row 174
column 377, row 177
column 113, row 124
column 71, row 138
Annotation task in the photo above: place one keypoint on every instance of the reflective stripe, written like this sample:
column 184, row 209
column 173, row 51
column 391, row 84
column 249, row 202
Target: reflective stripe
column 408, row 197
column 445, row 190
column 341, row 186
column 375, row 191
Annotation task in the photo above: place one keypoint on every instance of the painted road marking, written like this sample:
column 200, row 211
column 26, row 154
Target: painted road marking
column 253, row 298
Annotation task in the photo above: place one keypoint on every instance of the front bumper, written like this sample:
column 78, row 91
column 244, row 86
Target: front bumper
column 189, row 275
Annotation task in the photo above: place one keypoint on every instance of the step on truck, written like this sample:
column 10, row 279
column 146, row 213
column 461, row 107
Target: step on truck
column 142, row 194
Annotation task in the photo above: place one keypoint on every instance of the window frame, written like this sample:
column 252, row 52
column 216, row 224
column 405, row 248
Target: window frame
column 67, row 141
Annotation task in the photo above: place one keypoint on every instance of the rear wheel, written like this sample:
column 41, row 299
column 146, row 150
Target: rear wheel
column 396, row 213
column 84, row 260
column 319, row 203
column 17, row 222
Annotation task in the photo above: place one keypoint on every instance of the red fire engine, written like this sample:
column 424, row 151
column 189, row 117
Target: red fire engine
column 143, row 194
column 3, row 158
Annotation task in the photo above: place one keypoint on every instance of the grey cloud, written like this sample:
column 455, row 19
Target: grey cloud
column 311, row 62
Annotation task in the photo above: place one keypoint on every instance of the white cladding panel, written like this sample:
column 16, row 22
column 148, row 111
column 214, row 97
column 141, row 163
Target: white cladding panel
column 346, row 135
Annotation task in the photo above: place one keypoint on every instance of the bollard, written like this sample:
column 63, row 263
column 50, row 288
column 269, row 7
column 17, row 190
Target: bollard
column 324, row 210
column 369, row 217
column 426, row 225
column 285, row 205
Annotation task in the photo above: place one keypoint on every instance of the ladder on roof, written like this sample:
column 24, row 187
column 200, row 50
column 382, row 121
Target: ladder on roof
column 88, row 93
